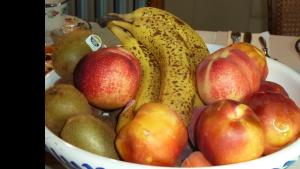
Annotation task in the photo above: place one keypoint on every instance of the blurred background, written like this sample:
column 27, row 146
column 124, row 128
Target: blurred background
column 276, row 16
column 212, row 15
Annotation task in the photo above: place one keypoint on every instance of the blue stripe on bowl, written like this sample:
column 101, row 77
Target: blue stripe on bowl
column 70, row 164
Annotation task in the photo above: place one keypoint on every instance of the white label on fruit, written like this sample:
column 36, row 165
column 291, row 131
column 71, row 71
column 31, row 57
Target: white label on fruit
column 94, row 42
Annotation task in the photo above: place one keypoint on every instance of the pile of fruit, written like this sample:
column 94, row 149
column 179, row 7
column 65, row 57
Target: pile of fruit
column 179, row 105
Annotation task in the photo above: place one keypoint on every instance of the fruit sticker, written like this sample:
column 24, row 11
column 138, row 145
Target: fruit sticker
column 94, row 42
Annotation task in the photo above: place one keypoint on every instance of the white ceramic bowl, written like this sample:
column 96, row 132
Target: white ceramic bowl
column 75, row 158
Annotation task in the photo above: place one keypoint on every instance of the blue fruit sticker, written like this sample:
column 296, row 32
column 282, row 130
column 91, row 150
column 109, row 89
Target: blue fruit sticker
column 94, row 42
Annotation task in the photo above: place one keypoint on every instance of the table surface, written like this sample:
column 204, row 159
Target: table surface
column 281, row 48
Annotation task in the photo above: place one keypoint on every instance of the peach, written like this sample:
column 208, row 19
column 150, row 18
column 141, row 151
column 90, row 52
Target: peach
column 226, row 74
column 195, row 159
column 280, row 118
column 155, row 136
column 268, row 86
column 256, row 55
column 108, row 78
column 229, row 132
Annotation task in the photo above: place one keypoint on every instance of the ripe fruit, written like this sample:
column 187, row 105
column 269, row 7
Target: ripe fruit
column 195, row 159
column 280, row 118
column 61, row 102
column 256, row 55
column 108, row 78
column 227, row 74
column 69, row 50
column 91, row 134
column 268, row 86
column 229, row 132
column 155, row 136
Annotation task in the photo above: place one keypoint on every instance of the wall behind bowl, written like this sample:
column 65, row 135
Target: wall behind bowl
column 222, row 15
column 211, row 15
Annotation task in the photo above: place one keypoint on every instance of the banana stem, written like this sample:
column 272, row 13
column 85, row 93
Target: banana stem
column 103, row 21
column 125, row 25
column 119, row 32
column 125, row 17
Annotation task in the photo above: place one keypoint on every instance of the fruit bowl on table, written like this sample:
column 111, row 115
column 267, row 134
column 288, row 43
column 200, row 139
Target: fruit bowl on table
column 73, row 157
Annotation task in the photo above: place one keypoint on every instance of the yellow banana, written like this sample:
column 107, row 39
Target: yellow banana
column 126, row 115
column 149, row 86
column 188, row 35
column 177, row 87
column 150, row 83
column 184, row 32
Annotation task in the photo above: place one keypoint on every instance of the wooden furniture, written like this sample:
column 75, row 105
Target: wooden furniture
column 284, row 17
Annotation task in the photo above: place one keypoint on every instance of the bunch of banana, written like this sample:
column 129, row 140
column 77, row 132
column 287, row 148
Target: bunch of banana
column 184, row 31
column 176, row 47
column 177, row 87
column 150, row 82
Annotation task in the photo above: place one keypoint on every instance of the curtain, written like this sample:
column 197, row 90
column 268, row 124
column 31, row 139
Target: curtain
column 90, row 10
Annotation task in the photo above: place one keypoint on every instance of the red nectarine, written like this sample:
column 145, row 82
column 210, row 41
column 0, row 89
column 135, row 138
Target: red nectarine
column 155, row 136
column 268, row 86
column 227, row 74
column 229, row 132
column 108, row 78
column 256, row 55
column 280, row 118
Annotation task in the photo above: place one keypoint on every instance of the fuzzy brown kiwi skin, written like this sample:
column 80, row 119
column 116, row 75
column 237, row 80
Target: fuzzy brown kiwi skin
column 69, row 51
column 91, row 134
column 61, row 102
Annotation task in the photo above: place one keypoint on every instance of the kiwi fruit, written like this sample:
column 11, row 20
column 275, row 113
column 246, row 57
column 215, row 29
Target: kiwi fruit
column 110, row 117
column 91, row 134
column 70, row 49
column 61, row 102
column 64, row 81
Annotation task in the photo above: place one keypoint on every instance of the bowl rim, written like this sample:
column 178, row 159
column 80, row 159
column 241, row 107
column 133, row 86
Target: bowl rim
column 81, row 152
column 255, row 162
